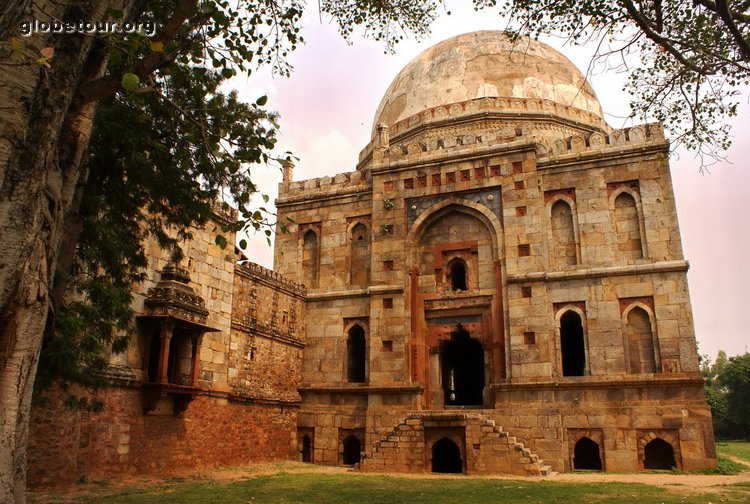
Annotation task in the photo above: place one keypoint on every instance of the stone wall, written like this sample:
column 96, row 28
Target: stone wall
column 242, row 409
column 67, row 446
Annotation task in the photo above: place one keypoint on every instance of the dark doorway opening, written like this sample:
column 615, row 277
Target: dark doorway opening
column 352, row 450
column 571, row 344
column 446, row 457
column 306, row 449
column 458, row 275
column 462, row 365
column 586, row 455
column 356, row 352
column 659, row 454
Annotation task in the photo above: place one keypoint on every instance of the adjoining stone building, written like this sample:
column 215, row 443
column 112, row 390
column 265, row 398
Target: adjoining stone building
column 500, row 281
column 498, row 287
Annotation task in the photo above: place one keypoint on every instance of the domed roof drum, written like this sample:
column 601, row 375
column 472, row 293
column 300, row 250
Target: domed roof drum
column 486, row 64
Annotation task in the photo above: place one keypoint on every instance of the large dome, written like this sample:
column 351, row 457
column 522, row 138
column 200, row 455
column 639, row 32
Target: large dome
column 484, row 64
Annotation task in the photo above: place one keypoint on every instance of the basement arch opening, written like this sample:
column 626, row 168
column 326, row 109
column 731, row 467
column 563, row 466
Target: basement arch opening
column 658, row 454
column 352, row 450
column 586, row 455
column 446, row 457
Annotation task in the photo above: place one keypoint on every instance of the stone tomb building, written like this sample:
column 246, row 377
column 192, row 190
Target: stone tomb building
column 500, row 282
column 499, row 287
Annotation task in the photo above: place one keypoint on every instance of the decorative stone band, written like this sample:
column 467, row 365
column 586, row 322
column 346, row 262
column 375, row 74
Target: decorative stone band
column 267, row 331
column 676, row 380
column 500, row 104
column 270, row 278
column 373, row 290
column 361, row 388
column 608, row 271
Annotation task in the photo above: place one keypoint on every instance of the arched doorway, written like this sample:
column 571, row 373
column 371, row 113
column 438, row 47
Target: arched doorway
column 352, row 450
column 462, row 366
column 586, row 455
column 446, row 457
column 571, row 344
column 658, row 454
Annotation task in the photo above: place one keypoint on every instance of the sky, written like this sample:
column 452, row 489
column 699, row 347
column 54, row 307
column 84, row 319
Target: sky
column 327, row 108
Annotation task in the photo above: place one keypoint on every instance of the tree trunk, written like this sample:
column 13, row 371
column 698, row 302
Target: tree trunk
column 42, row 141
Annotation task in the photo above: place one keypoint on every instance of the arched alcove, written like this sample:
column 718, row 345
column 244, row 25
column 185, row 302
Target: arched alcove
column 572, row 344
column 359, row 266
column 352, row 452
column 627, row 227
column 586, row 455
column 640, row 339
column 310, row 259
column 356, row 355
column 658, row 454
column 563, row 234
column 446, row 457
column 462, row 369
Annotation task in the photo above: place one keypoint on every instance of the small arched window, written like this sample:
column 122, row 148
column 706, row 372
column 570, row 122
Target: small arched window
column 457, row 272
column 572, row 344
column 356, row 355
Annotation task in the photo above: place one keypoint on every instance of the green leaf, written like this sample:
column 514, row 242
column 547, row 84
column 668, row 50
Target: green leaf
column 243, row 244
column 221, row 241
column 130, row 81
column 262, row 100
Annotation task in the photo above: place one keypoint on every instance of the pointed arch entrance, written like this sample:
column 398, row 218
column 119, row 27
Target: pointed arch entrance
column 462, row 369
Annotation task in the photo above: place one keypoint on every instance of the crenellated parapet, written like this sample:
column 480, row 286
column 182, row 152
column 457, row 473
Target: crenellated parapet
column 549, row 141
column 641, row 135
column 337, row 185
column 258, row 273
column 507, row 109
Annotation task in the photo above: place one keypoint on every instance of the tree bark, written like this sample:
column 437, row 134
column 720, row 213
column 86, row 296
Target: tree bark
column 43, row 138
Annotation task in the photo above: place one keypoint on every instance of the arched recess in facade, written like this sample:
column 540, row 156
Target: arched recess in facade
column 629, row 226
column 359, row 253
column 419, row 352
column 640, row 339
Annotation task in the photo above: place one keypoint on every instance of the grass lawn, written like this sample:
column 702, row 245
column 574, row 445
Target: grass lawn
column 346, row 488
column 736, row 449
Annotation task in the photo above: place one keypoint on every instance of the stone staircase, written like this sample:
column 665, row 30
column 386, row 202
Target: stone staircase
column 488, row 449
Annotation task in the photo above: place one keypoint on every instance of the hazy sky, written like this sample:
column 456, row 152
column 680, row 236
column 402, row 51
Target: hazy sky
column 327, row 108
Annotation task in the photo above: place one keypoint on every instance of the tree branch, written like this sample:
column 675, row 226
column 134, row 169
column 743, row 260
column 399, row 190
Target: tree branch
column 666, row 44
column 726, row 16
column 108, row 85
column 737, row 16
